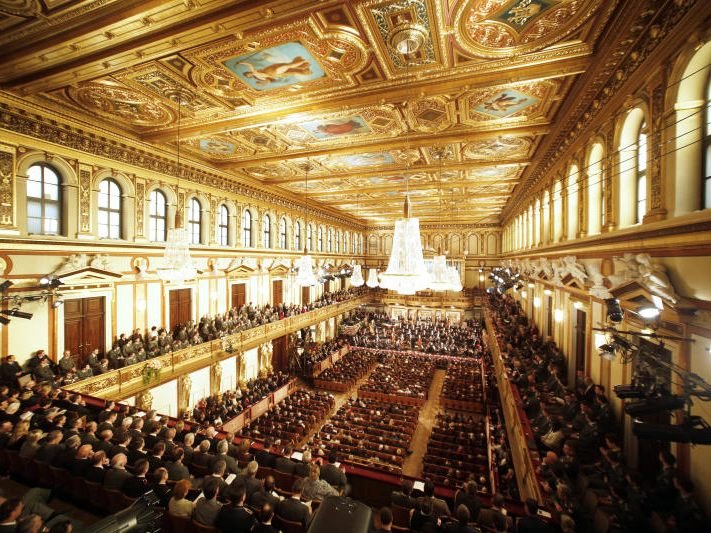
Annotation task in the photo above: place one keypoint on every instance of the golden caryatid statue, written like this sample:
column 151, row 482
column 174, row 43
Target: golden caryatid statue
column 144, row 400
column 215, row 378
column 265, row 353
column 185, row 385
column 242, row 370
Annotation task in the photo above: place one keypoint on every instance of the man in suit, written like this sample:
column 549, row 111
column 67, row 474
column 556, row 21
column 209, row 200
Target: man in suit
column 385, row 519
column 468, row 497
column 264, row 456
column 231, row 465
column 48, row 451
column 531, row 522
column 333, row 474
column 67, row 363
column 266, row 515
column 10, row 371
column 137, row 485
column 235, row 516
column 292, row 508
column 208, row 508
column 121, row 447
column 285, row 464
column 249, row 479
column 177, row 470
column 217, row 471
column 202, row 456
column 403, row 497
column 267, row 494
column 43, row 372
column 136, row 451
column 440, row 507
column 117, row 474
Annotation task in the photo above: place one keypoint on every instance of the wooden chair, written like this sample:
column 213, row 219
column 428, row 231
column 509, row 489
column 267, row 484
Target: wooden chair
column 115, row 501
column 180, row 524
column 399, row 529
column 202, row 528
column 30, row 472
column 80, row 490
column 199, row 471
column 283, row 481
column 14, row 466
column 263, row 472
column 97, row 496
column 3, row 462
column 287, row 526
column 46, row 479
column 62, row 482
column 401, row 516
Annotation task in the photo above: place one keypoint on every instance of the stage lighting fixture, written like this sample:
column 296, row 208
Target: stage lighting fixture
column 141, row 516
column 4, row 320
column 5, row 285
column 629, row 391
column 59, row 301
column 648, row 406
column 15, row 311
column 648, row 312
column 607, row 351
column 696, row 431
column 615, row 313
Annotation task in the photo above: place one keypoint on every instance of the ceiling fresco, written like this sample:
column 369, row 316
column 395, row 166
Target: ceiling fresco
column 447, row 99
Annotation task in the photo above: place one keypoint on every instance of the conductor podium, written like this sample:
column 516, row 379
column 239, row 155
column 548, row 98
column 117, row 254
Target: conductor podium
column 341, row 514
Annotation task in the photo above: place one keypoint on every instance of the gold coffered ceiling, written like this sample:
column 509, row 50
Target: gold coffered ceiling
column 267, row 87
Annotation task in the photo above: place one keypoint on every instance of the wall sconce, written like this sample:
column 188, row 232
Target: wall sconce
column 536, row 302
column 524, row 294
column 558, row 315
column 481, row 277
column 547, row 292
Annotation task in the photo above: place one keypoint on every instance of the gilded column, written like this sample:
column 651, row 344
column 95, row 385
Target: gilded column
column 656, row 210
column 144, row 400
column 8, row 197
column 215, row 378
column 85, row 178
column 184, row 388
column 583, row 205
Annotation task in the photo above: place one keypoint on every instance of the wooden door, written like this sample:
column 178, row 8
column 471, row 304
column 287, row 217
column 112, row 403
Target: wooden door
column 581, row 319
column 239, row 295
column 277, row 292
column 84, row 327
column 180, row 307
column 305, row 295
column 280, row 358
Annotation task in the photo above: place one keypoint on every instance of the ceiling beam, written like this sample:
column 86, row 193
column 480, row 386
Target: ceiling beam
column 387, row 93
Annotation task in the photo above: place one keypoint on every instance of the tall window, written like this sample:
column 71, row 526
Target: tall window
column 354, row 244
column 282, row 233
column 330, row 241
column 109, row 210
column 194, row 220
column 44, row 208
column 642, row 173
column 320, row 239
column 157, row 216
column 297, row 236
column 338, row 242
column 309, row 238
column 223, row 228
column 267, row 229
column 247, row 228
column 707, row 150
column 345, row 242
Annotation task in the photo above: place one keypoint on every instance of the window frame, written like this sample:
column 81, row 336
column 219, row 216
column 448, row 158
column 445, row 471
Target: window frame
column 309, row 238
column 297, row 235
column 267, row 231
column 706, row 152
column 283, row 237
column 319, row 239
column 641, row 174
column 223, row 226
column 42, row 201
column 153, row 218
column 109, row 210
column 195, row 222
column 247, row 229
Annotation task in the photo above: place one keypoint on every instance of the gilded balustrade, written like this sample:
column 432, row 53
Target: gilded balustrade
column 128, row 381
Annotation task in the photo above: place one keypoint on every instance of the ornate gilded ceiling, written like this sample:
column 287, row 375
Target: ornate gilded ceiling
column 265, row 90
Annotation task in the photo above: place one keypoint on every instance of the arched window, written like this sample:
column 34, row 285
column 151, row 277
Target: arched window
column 320, row 239
column 157, row 216
column 707, row 150
column 572, row 192
column 297, row 235
column 223, row 228
column 596, row 193
column 642, row 173
column 345, row 242
column 247, row 229
column 267, row 229
column 109, row 209
column 282, row 233
column 330, row 241
column 309, row 238
column 354, row 244
column 194, row 220
column 338, row 242
column 44, row 208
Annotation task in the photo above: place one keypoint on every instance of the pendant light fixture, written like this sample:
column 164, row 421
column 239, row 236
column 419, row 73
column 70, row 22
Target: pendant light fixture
column 305, row 275
column 357, row 275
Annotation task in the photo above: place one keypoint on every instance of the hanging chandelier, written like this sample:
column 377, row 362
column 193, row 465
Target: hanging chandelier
column 440, row 279
column 177, row 262
column 357, row 277
column 305, row 265
column 372, row 278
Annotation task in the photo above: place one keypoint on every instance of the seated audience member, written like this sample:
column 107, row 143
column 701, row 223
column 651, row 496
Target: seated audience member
column 264, row 456
column 462, row 524
column 315, row 488
column 82, row 460
column 160, row 486
column 249, row 479
column 266, row 515
column 97, row 471
column 403, row 497
column 117, row 474
column 293, row 509
column 235, row 517
column 207, row 508
column 51, row 447
column 137, row 485
column 302, row 467
column 231, row 466
column 202, row 457
column 267, row 494
column 333, row 474
column 422, row 517
column 468, row 497
column 384, row 520
column 531, row 522
column 31, row 446
column 284, row 463
column 439, row 506
column 216, row 474
column 176, row 469
column 179, row 505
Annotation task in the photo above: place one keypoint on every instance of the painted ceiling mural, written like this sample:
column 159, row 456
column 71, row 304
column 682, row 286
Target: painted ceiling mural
column 448, row 100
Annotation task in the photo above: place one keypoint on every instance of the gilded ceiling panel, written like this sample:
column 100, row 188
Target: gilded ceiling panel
column 497, row 148
column 500, row 28
column 515, row 102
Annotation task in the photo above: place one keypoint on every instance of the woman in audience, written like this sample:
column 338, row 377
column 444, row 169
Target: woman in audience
column 316, row 488
column 31, row 445
column 179, row 505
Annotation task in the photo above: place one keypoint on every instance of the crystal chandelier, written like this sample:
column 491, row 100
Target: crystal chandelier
column 357, row 277
column 455, row 280
column 305, row 274
column 372, row 278
column 406, row 272
column 177, row 263
column 440, row 279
